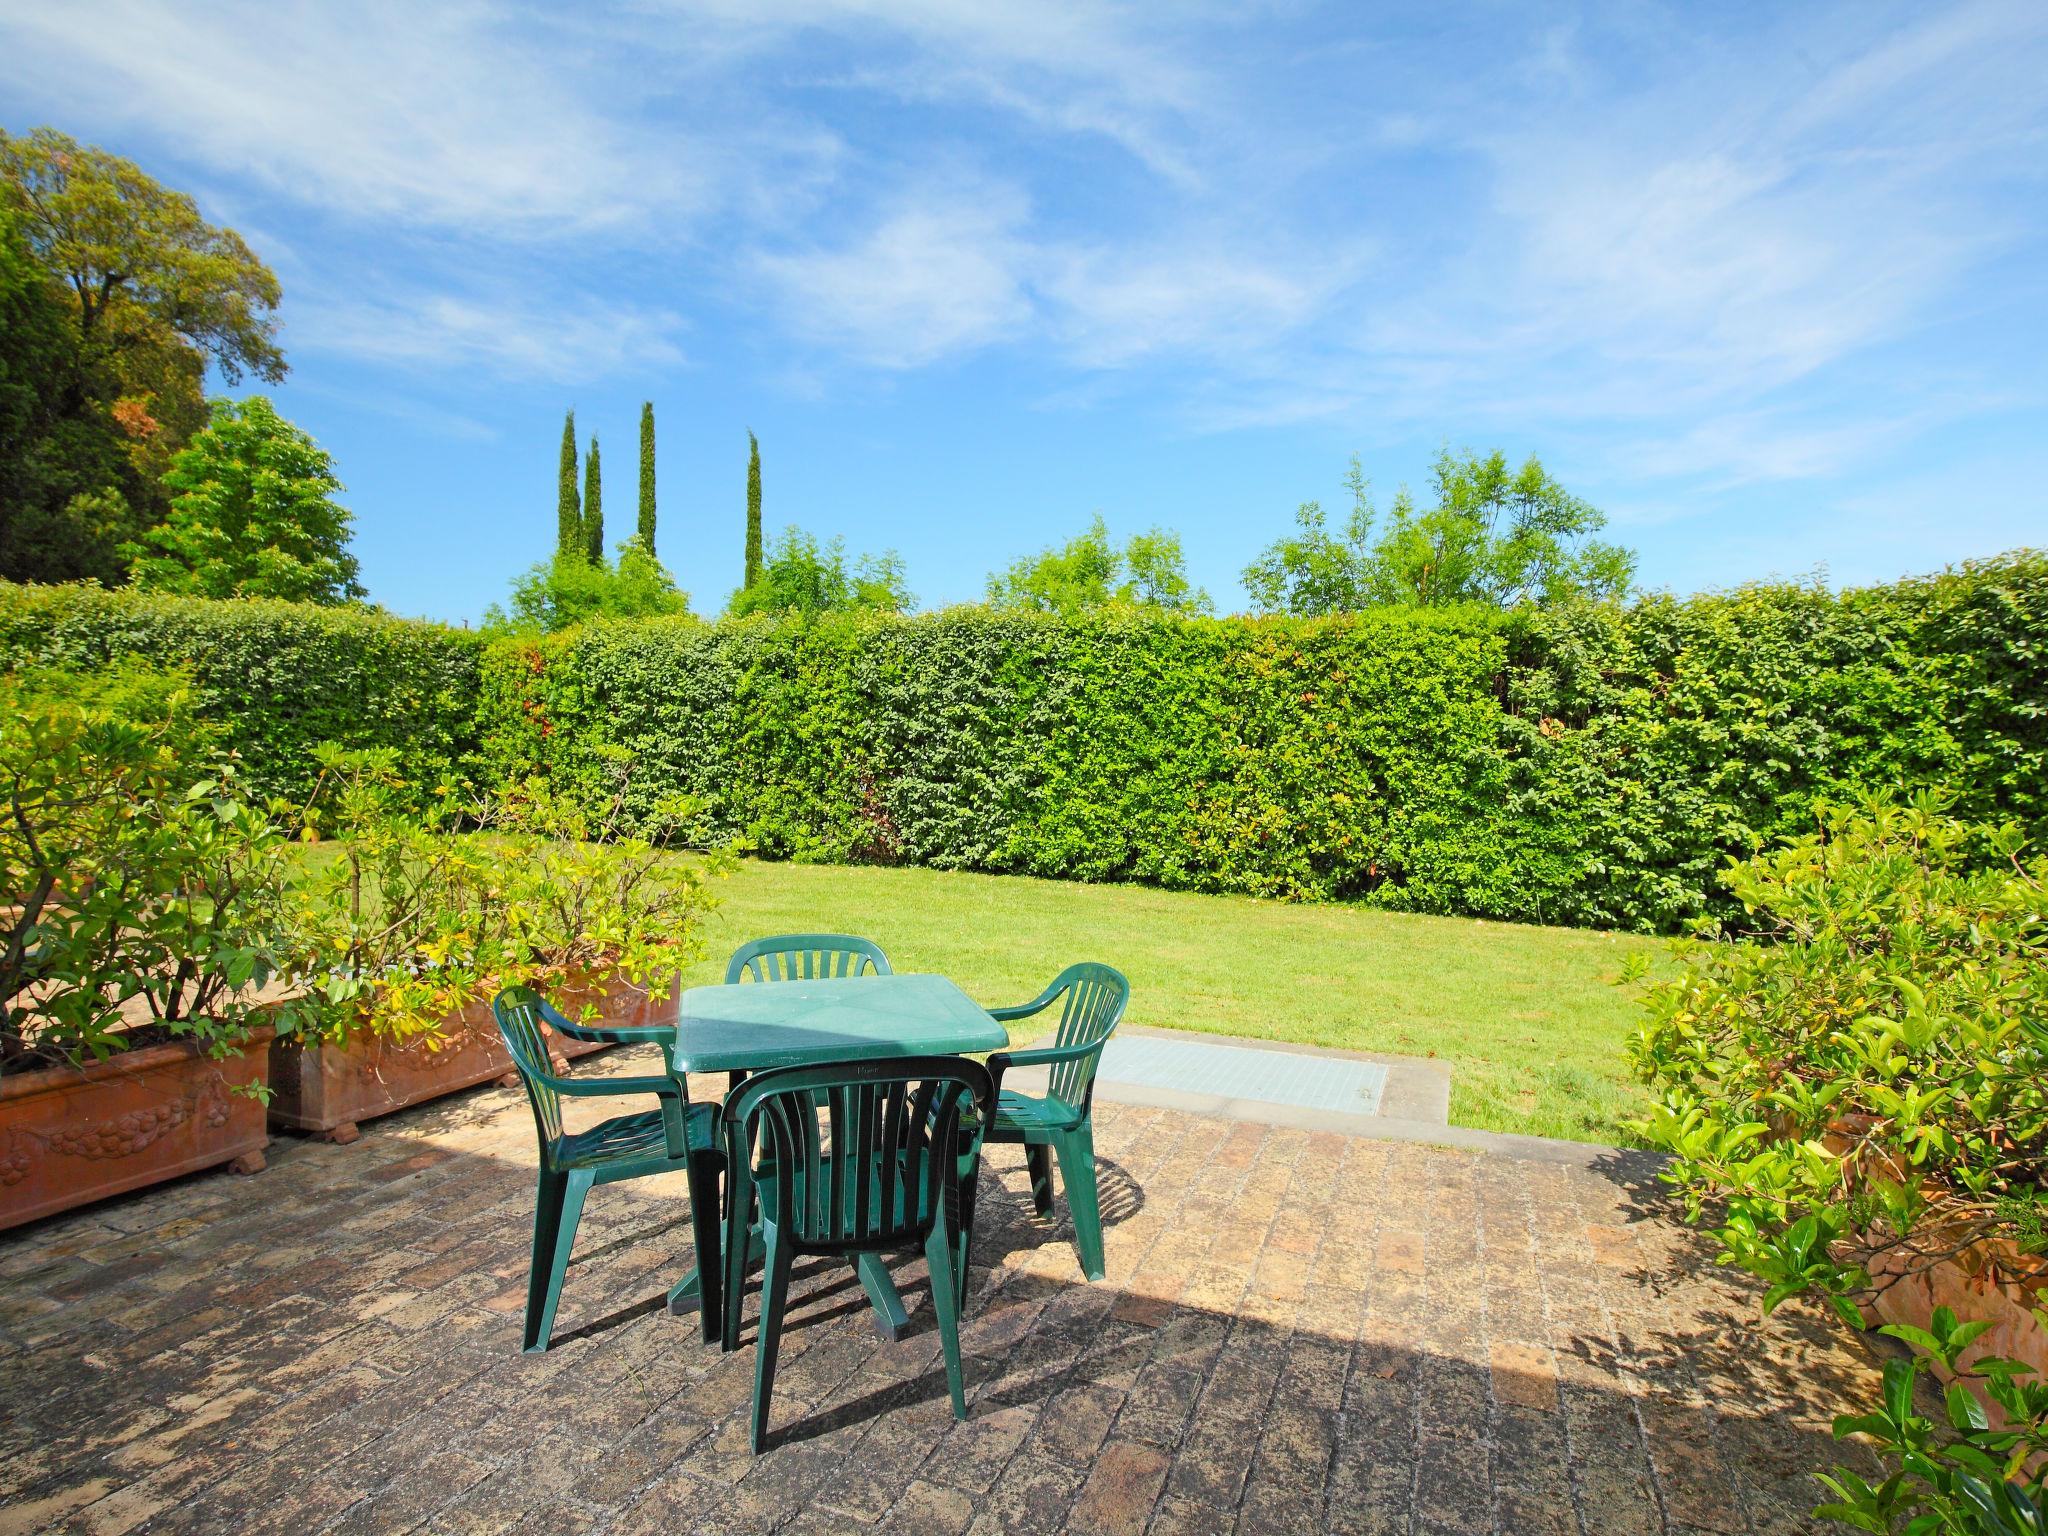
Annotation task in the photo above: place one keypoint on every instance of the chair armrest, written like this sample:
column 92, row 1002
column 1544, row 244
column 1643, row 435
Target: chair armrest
column 605, row 1087
column 616, row 1034
column 1045, row 1055
column 1023, row 1010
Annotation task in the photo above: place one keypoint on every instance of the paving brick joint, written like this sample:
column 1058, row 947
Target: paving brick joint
column 1300, row 1331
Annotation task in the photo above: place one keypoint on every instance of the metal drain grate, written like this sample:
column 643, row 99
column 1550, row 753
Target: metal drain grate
column 1238, row 1072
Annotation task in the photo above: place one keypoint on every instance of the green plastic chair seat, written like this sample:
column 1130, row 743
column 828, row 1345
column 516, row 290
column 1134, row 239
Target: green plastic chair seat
column 851, row 1160
column 1018, row 1112
column 678, row 1137
column 1091, row 1000
column 631, row 1138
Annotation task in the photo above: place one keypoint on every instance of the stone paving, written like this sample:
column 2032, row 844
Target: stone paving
column 1300, row 1332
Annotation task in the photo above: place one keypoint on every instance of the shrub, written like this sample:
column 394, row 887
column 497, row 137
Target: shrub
column 275, row 679
column 401, row 919
column 142, row 879
column 1591, row 764
column 1857, row 1079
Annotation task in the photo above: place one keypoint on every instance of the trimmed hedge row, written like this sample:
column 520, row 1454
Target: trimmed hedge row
column 280, row 676
column 1589, row 765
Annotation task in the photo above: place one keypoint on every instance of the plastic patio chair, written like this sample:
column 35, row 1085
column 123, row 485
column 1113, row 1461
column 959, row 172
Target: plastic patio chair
column 802, row 957
column 806, row 957
column 1092, row 1000
column 846, row 1159
column 675, row 1135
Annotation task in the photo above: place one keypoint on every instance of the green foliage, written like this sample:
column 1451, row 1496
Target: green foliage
column 593, row 508
column 1088, row 573
column 753, row 563
column 253, row 515
column 645, row 529
column 273, row 679
column 572, row 589
column 1860, row 1079
column 568, row 505
column 1495, row 535
column 152, row 295
column 806, row 577
column 144, row 877
column 1586, row 764
column 1963, row 1478
column 406, row 915
column 120, row 239
column 64, row 465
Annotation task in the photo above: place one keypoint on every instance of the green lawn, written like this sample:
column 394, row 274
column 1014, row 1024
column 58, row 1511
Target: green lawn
column 1527, row 1018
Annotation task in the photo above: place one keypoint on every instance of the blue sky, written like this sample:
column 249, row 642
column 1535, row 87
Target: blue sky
column 1765, row 283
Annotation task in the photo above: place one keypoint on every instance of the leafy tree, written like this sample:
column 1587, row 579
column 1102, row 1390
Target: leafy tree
column 801, row 575
column 64, row 466
column 646, row 528
column 120, row 239
column 154, row 294
column 593, row 508
column 568, row 507
column 570, row 589
column 1496, row 535
column 753, row 573
column 253, row 515
column 1089, row 572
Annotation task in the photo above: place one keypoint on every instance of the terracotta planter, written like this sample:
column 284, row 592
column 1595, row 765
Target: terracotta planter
column 72, row 1135
column 1978, row 1285
column 327, row 1090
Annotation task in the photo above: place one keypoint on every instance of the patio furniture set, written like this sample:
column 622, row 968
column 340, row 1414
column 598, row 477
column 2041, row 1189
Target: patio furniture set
column 851, row 1128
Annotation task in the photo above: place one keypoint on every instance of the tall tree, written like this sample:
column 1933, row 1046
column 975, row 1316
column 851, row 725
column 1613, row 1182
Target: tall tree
column 802, row 575
column 568, row 508
column 152, row 295
column 63, row 457
column 593, row 508
column 1496, row 535
column 254, row 515
column 646, row 528
column 120, row 239
column 1089, row 572
column 753, row 512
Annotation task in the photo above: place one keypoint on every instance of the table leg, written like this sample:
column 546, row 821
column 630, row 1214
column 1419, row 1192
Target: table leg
column 684, row 1297
column 890, row 1318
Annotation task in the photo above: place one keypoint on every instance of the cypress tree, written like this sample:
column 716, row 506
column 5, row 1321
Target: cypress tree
column 568, row 510
column 753, row 510
column 593, row 508
column 646, row 529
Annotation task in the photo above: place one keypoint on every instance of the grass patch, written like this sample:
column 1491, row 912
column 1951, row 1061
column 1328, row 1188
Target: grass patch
column 1527, row 1017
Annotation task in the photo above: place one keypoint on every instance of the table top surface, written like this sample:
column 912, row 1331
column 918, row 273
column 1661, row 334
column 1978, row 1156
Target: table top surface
column 755, row 1026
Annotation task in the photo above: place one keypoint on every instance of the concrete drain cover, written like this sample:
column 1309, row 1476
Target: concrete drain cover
column 1241, row 1072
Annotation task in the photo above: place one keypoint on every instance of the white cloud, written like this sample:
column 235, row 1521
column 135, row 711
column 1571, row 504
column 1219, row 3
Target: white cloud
column 513, row 333
column 409, row 115
column 932, row 278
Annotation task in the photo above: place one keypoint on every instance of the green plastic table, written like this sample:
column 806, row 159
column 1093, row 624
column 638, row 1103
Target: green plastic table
column 757, row 1026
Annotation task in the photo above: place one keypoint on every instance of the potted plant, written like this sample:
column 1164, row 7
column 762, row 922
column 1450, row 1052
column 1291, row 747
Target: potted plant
column 1857, row 1088
column 142, row 886
column 407, row 921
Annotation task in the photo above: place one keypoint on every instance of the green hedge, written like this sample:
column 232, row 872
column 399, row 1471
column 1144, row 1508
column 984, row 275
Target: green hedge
column 1588, row 765
column 279, row 676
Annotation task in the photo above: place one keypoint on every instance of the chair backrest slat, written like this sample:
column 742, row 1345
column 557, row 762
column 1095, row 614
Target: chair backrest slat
column 806, row 957
column 520, row 1012
column 896, row 1139
column 1092, row 1001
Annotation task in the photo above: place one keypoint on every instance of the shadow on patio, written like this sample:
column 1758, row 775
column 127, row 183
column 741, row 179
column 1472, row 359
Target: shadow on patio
column 1299, row 1332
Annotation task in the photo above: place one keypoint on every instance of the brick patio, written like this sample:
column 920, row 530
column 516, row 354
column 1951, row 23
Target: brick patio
column 1300, row 1331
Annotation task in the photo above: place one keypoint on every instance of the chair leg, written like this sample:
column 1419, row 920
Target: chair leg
column 558, row 1208
column 704, row 1222
column 768, row 1336
column 1076, row 1150
column 938, row 1255
column 738, row 1247
column 1038, row 1158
